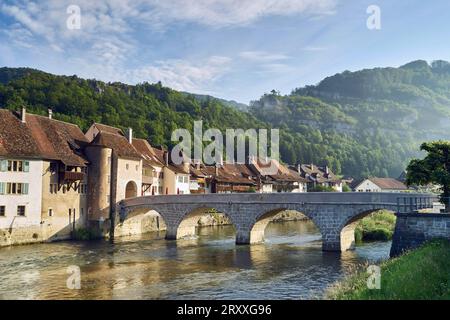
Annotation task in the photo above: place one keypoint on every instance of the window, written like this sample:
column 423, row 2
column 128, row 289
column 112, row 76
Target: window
column 180, row 179
column 53, row 188
column 15, row 188
column 15, row 166
column 109, row 179
column 2, row 211
column 186, row 179
column 137, row 167
column 50, row 212
column 21, row 211
column 127, row 166
column 107, row 199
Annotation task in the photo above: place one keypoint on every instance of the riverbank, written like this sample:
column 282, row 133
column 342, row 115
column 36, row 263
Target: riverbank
column 378, row 226
column 422, row 274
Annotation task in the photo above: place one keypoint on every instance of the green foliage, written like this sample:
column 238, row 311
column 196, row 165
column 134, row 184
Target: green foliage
column 422, row 274
column 320, row 188
column 378, row 226
column 346, row 188
column 365, row 123
column 83, row 234
column 434, row 168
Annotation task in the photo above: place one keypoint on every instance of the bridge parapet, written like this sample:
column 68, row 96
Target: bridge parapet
column 333, row 213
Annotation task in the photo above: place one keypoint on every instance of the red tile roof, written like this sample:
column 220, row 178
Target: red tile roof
column 389, row 183
column 41, row 138
column 116, row 142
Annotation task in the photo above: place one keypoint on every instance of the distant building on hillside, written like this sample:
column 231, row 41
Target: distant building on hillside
column 379, row 185
column 319, row 176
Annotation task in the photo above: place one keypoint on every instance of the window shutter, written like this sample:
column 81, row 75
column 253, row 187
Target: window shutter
column 25, row 188
column 3, row 165
column 2, row 187
column 26, row 166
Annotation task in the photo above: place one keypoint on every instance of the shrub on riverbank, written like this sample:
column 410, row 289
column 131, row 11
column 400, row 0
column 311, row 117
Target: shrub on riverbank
column 379, row 226
column 83, row 234
column 420, row 274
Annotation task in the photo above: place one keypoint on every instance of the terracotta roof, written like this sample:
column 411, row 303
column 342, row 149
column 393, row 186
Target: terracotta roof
column 389, row 183
column 282, row 174
column 317, row 174
column 41, row 137
column 108, row 129
column 16, row 139
column 118, row 143
column 147, row 152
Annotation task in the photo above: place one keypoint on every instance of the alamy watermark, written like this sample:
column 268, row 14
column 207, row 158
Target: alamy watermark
column 235, row 142
column 74, row 280
column 374, row 19
column 374, row 279
column 73, row 22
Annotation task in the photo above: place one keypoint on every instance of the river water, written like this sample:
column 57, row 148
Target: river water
column 289, row 265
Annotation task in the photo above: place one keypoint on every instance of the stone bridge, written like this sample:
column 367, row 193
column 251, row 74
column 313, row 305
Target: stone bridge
column 334, row 214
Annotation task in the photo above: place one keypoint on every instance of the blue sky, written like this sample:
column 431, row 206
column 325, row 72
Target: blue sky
column 233, row 49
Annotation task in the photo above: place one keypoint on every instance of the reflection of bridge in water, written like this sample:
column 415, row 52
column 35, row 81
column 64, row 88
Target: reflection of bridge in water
column 334, row 214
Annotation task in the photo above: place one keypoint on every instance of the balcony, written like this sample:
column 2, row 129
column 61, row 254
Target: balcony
column 148, row 179
column 70, row 176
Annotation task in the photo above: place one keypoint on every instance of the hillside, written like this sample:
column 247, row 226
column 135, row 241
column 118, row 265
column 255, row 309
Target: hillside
column 365, row 122
column 369, row 122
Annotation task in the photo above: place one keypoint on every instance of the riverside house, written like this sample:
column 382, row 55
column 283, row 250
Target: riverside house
column 319, row 176
column 379, row 185
column 43, row 178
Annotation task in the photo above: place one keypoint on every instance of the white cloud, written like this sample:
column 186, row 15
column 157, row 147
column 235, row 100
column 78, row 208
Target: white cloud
column 262, row 56
column 220, row 13
column 184, row 75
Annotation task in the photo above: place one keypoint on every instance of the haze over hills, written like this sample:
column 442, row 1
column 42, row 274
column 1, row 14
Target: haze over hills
column 368, row 122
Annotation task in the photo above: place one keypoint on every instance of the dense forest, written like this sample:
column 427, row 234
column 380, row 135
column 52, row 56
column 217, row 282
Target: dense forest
column 369, row 122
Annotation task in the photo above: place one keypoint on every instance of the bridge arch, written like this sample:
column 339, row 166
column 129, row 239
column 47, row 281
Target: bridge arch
column 257, row 229
column 347, row 228
column 188, row 222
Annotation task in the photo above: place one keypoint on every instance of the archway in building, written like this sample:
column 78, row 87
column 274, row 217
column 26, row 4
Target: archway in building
column 131, row 190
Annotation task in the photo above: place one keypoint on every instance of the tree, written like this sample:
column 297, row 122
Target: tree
column 434, row 168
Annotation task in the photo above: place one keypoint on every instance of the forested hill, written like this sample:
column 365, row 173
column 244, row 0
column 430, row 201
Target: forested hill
column 365, row 122
column 372, row 129
column 153, row 111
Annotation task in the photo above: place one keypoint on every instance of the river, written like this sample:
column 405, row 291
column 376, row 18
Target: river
column 289, row 265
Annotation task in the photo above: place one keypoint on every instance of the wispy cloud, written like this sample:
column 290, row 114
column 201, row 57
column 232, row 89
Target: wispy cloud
column 234, row 12
column 262, row 56
column 314, row 49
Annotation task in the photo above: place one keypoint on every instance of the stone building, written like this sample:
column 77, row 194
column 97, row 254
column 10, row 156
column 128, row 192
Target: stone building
column 379, row 185
column 43, row 178
column 115, row 170
column 318, row 177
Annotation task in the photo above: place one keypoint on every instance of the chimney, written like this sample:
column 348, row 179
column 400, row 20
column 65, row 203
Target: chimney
column 299, row 168
column 217, row 170
column 24, row 115
column 50, row 113
column 130, row 135
column 327, row 171
column 166, row 157
column 312, row 167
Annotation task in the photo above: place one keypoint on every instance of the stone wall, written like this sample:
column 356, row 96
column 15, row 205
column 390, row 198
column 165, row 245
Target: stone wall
column 412, row 230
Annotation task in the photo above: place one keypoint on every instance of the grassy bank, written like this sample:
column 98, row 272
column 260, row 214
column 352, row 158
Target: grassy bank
column 422, row 274
column 378, row 226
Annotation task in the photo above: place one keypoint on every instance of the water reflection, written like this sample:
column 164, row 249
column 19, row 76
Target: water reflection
column 290, row 265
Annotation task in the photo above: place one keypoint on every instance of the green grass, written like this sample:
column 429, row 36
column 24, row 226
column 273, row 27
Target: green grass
column 421, row 274
column 379, row 226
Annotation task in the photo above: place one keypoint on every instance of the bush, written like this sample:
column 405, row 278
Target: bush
column 419, row 274
column 376, row 227
column 83, row 234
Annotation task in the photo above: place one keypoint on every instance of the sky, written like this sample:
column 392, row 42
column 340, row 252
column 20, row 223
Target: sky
column 232, row 49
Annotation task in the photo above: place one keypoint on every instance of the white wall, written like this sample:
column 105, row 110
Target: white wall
column 125, row 175
column 367, row 186
column 32, row 200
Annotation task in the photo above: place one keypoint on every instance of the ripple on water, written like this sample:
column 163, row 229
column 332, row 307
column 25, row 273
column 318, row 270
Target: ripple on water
column 290, row 265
